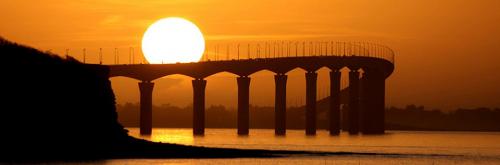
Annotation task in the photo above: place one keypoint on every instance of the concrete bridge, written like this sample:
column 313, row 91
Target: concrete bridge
column 368, row 70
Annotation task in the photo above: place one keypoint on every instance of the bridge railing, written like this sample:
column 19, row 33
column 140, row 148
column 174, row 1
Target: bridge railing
column 241, row 51
column 285, row 49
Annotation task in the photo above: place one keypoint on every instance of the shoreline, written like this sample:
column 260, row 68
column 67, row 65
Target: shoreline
column 143, row 149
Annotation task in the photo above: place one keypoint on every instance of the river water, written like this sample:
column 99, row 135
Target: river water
column 417, row 147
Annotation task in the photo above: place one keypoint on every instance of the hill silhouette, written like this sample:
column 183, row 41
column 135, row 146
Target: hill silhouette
column 61, row 109
column 41, row 120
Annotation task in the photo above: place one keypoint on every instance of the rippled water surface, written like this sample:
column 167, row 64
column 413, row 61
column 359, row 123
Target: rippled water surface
column 416, row 147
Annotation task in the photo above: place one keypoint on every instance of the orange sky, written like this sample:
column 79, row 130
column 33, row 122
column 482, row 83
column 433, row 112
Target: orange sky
column 447, row 50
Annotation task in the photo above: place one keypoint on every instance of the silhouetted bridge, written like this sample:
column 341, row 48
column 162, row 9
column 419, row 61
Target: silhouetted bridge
column 369, row 67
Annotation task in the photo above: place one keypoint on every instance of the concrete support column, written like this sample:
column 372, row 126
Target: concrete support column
column 146, row 104
column 311, row 78
column 353, row 102
column 379, row 103
column 243, row 104
column 373, row 102
column 365, row 103
column 199, row 106
column 334, row 113
column 280, row 104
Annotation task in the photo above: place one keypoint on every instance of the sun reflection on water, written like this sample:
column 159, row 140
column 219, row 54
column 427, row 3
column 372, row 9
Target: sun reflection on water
column 177, row 136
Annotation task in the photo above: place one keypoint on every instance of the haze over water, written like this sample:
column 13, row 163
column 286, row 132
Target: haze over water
column 416, row 147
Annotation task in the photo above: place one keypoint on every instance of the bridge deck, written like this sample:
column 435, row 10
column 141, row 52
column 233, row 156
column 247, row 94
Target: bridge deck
column 246, row 67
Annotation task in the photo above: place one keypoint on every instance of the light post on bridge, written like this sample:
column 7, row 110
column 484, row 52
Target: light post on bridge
column 331, row 48
column 67, row 53
column 310, row 49
column 100, row 56
column 303, row 48
column 274, row 49
column 283, row 52
column 227, row 52
column 114, row 53
column 296, row 49
column 326, row 48
column 259, row 51
column 84, row 55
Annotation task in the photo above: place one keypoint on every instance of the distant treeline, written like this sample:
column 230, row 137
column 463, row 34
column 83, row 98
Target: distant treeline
column 418, row 118
column 409, row 118
column 216, row 117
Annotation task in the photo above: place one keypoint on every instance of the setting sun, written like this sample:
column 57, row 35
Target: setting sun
column 172, row 40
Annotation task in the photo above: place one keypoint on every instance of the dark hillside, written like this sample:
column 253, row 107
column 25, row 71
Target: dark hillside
column 39, row 91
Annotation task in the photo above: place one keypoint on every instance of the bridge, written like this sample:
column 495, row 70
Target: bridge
column 369, row 65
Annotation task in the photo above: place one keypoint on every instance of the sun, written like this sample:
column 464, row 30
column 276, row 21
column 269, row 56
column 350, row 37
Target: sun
column 172, row 40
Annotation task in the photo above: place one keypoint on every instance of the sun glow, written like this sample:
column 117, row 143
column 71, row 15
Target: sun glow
column 172, row 40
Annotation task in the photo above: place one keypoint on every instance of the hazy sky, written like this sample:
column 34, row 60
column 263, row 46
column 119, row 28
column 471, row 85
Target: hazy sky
column 448, row 51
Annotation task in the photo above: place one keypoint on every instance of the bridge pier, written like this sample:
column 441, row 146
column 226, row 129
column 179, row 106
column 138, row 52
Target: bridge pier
column 373, row 107
column 199, row 106
column 378, row 81
column 380, row 110
column 311, row 78
column 365, row 102
column 334, row 113
column 353, row 114
column 243, row 104
column 146, row 104
column 280, row 104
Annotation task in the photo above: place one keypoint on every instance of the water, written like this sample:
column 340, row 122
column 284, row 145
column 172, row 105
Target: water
column 418, row 147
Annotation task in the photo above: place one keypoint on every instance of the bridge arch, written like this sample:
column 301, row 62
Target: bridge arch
column 222, row 72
